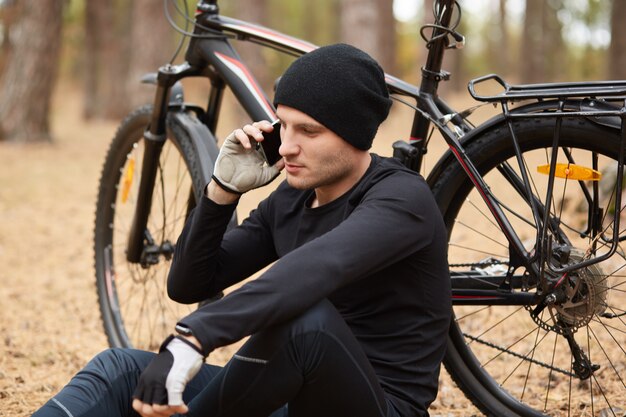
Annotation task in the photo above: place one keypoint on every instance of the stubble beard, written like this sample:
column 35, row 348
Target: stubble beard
column 330, row 171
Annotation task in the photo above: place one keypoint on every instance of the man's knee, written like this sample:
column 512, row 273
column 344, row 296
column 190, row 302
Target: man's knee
column 112, row 363
column 322, row 317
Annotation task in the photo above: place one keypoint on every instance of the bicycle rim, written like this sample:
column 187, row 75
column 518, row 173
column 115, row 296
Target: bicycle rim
column 516, row 360
column 135, row 308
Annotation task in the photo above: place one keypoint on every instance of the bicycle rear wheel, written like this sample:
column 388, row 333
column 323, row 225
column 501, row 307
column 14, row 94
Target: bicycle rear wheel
column 135, row 308
column 516, row 360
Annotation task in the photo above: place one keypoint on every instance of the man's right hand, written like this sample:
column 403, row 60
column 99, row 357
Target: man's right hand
column 240, row 167
column 159, row 390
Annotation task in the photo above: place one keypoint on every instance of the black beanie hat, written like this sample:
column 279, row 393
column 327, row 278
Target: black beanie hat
column 341, row 87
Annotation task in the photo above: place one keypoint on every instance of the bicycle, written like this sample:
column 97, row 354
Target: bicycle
column 532, row 200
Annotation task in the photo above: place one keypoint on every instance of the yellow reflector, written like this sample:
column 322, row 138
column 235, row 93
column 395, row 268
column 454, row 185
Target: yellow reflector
column 572, row 172
column 127, row 181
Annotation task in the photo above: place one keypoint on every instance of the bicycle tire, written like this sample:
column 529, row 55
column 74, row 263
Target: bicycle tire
column 507, row 362
column 135, row 309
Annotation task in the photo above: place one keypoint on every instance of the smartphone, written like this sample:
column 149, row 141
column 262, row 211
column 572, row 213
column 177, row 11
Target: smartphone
column 270, row 144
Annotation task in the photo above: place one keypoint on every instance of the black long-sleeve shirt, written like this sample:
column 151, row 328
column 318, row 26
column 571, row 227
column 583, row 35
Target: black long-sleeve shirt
column 378, row 253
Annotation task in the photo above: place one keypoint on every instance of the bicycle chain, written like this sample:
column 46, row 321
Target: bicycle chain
column 492, row 262
column 479, row 264
column 517, row 355
column 500, row 348
column 545, row 326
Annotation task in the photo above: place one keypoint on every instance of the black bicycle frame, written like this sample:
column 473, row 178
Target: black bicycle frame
column 212, row 56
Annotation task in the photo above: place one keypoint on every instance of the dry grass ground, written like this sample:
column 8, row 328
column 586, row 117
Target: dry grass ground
column 49, row 320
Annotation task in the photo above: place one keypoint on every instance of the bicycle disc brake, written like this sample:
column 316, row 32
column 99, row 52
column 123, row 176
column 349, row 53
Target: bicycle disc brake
column 574, row 300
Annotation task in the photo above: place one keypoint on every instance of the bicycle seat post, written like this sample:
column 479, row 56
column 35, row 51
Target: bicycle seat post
column 431, row 72
column 431, row 75
column 208, row 6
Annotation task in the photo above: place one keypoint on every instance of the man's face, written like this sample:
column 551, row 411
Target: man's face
column 315, row 157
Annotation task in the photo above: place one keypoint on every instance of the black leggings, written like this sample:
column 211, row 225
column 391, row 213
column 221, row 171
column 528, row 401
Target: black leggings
column 311, row 366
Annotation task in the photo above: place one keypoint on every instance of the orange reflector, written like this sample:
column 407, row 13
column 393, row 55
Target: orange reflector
column 572, row 172
column 127, row 181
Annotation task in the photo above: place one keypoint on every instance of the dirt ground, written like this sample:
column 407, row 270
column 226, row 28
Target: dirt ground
column 49, row 320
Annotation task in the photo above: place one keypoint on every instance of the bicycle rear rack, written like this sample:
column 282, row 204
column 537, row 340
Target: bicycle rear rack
column 512, row 92
column 598, row 99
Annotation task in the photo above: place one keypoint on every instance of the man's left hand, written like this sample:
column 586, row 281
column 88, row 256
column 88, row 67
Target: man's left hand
column 159, row 391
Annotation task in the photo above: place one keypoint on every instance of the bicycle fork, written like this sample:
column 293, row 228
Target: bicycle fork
column 140, row 243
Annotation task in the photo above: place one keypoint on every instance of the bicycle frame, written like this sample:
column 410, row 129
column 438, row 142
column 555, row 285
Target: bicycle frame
column 213, row 57
column 216, row 59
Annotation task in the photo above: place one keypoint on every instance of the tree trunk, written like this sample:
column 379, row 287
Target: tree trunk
column 151, row 46
column 503, row 62
column 106, row 60
column 617, row 49
column 363, row 24
column 498, row 45
column 320, row 21
column 9, row 13
column 387, row 36
column 93, row 16
column 543, row 49
column 552, row 48
column 532, row 54
column 30, row 76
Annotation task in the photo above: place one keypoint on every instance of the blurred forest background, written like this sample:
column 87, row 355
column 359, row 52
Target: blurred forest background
column 102, row 47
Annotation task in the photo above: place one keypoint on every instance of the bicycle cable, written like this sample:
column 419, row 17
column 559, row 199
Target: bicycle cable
column 183, row 38
column 215, row 34
column 417, row 109
column 445, row 30
column 445, row 119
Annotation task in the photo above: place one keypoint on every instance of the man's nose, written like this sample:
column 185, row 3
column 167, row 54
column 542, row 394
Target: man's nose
column 288, row 146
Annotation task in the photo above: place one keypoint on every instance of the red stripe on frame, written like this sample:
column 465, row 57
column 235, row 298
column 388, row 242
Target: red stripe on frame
column 250, row 78
column 477, row 297
column 293, row 42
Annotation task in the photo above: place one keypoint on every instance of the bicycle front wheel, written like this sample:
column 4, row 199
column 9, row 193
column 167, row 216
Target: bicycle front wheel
column 568, row 357
column 135, row 308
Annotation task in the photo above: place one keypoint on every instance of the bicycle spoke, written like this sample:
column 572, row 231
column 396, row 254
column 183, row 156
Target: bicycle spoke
column 547, row 203
column 560, row 216
column 609, row 203
column 530, row 362
column 545, row 404
column 483, row 281
column 488, row 218
column 606, row 355
column 181, row 178
column 482, row 234
column 590, row 379
column 499, row 322
column 478, row 251
column 136, row 328
column 507, row 349
column 569, row 395
column 472, row 313
column 161, row 296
